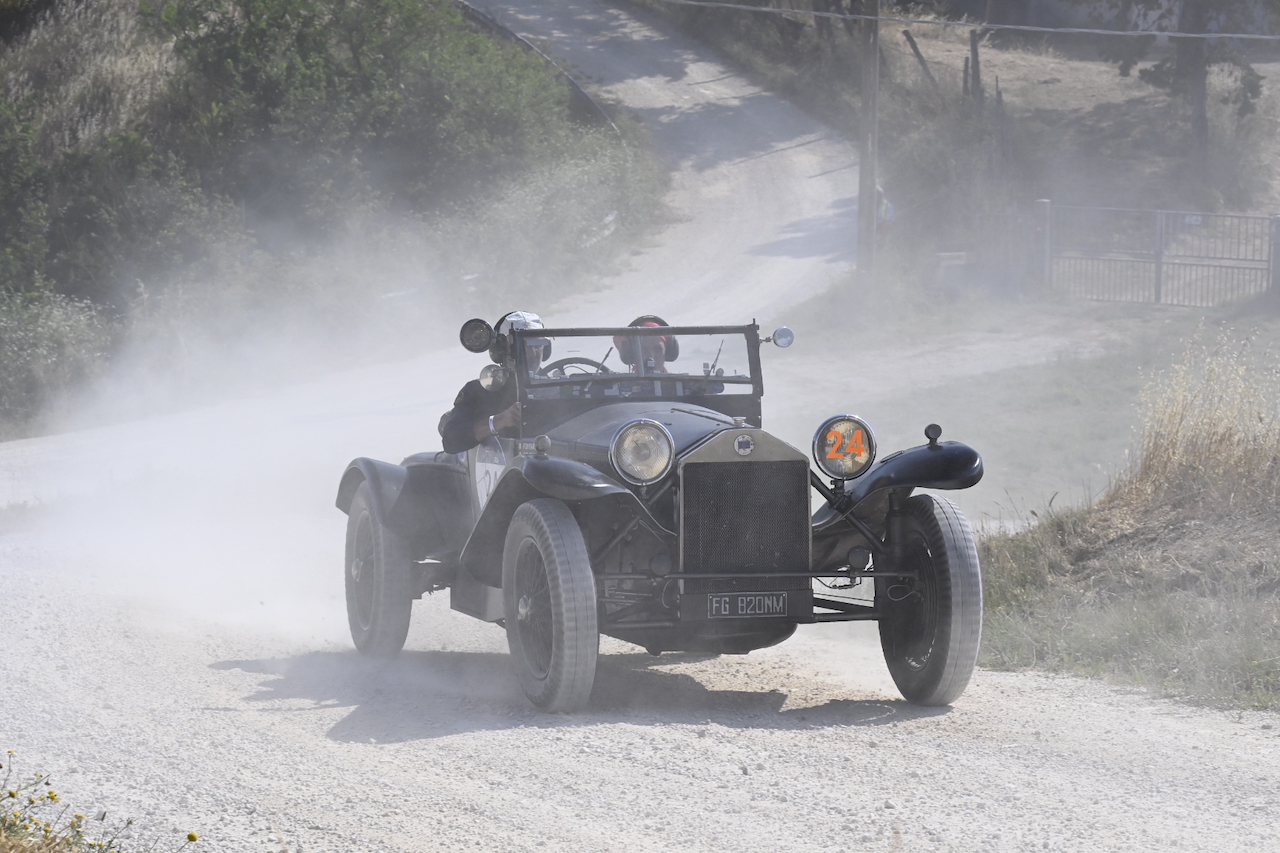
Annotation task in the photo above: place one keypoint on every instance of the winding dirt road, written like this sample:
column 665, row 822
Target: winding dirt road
column 174, row 638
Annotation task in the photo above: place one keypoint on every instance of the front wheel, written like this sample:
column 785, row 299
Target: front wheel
column 379, row 577
column 549, row 595
column 933, row 624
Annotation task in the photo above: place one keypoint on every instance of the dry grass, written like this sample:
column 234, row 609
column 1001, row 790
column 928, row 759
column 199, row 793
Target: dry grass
column 93, row 70
column 1211, row 441
column 1172, row 580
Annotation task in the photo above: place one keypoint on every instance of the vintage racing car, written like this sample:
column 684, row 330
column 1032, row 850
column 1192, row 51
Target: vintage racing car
column 653, row 507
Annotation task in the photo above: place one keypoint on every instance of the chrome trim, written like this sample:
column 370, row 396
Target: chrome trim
column 875, row 446
column 613, row 444
column 718, row 447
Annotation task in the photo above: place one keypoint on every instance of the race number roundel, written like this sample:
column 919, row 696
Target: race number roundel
column 844, row 447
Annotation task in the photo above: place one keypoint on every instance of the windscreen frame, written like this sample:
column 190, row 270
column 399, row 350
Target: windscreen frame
column 539, row 414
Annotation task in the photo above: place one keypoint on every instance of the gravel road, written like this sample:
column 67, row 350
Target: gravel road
column 175, row 648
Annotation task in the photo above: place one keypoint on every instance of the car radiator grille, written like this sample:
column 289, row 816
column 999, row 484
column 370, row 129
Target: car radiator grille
column 749, row 518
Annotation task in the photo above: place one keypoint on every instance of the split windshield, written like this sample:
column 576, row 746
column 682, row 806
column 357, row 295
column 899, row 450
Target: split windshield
column 638, row 362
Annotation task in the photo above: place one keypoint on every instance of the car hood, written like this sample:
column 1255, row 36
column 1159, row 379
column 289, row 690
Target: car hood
column 590, row 433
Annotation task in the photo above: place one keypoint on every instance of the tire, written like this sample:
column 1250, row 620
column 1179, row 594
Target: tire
column 549, row 595
column 378, row 581
column 933, row 628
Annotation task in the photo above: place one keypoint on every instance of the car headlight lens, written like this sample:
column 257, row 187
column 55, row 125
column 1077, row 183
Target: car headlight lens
column 844, row 447
column 642, row 451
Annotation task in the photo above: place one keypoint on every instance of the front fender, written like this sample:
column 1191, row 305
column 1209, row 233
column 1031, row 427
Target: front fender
column 563, row 479
column 946, row 465
column 567, row 480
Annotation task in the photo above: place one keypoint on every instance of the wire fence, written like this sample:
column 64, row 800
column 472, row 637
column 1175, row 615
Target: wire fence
column 942, row 22
column 1165, row 256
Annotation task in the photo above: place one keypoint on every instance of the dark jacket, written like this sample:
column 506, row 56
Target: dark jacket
column 473, row 403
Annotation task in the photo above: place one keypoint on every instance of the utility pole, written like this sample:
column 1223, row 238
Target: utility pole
column 868, row 202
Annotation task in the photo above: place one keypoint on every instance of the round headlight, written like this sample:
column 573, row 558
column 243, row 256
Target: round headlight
column 642, row 451
column 476, row 335
column 844, row 447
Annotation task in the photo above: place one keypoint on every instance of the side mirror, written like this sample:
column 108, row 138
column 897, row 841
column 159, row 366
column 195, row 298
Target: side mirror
column 476, row 335
column 493, row 377
column 781, row 337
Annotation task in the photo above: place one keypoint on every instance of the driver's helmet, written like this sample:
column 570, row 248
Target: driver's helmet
column 500, row 350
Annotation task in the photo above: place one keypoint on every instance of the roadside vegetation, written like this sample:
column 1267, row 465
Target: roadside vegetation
column 179, row 180
column 1170, row 581
column 33, row 819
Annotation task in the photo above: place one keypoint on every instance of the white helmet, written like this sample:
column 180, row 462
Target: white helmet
column 500, row 350
column 518, row 320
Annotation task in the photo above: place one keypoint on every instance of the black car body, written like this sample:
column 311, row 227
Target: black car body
column 654, row 507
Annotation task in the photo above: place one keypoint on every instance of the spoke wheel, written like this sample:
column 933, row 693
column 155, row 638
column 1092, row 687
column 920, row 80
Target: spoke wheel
column 550, row 606
column 932, row 626
column 533, row 608
column 378, row 581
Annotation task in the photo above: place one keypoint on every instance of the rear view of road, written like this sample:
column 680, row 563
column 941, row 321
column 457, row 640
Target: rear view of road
column 175, row 645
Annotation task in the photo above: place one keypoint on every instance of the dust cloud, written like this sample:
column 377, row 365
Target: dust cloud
column 198, row 477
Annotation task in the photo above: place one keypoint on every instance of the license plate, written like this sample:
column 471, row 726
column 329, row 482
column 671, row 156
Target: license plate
column 746, row 605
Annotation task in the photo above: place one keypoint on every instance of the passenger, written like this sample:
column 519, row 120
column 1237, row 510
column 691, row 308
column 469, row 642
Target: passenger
column 479, row 413
column 647, row 354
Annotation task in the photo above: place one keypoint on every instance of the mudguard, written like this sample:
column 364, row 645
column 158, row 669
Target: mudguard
column 945, row 465
column 417, row 501
column 386, row 482
column 567, row 480
column 564, row 479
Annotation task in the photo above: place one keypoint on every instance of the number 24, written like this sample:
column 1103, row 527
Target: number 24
column 856, row 445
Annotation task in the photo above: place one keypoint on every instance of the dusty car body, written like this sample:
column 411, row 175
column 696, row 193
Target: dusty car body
column 655, row 508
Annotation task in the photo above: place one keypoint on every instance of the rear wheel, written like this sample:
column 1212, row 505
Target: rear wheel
column 549, row 595
column 933, row 625
column 378, row 581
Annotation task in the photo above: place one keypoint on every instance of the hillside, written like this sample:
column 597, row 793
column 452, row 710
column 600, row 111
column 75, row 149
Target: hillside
column 185, row 181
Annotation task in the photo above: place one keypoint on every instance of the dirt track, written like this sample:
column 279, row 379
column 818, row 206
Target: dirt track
column 175, row 644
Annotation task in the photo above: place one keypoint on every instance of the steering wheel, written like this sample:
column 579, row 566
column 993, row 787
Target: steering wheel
column 574, row 361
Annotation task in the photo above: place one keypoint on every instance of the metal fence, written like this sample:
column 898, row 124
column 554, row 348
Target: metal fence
column 1171, row 257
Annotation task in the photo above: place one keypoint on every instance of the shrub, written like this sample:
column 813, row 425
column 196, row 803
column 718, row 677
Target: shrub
column 22, row 207
column 304, row 110
column 49, row 344
column 33, row 819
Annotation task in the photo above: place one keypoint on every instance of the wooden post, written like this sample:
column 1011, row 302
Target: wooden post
column 1044, row 225
column 1273, row 257
column 975, row 69
column 924, row 66
column 868, row 203
column 1159, row 247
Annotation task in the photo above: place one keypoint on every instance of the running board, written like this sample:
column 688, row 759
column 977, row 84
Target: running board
column 469, row 596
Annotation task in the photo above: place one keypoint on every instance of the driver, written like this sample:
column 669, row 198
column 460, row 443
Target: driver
column 479, row 413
